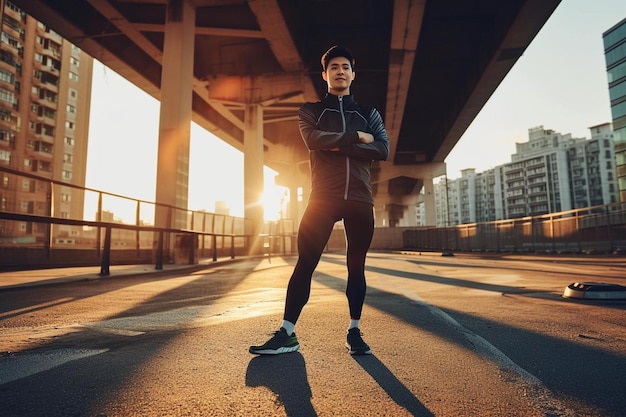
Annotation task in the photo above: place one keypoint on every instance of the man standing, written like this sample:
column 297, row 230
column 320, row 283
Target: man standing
column 343, row 138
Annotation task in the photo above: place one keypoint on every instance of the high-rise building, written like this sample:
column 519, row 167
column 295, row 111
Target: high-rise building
column 615, row 57
column 537, row 179
column 592, row 169
column 45, row 89
column 552, row 172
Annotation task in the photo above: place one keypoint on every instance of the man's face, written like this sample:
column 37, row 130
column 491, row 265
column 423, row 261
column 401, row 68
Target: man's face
column 338, row 75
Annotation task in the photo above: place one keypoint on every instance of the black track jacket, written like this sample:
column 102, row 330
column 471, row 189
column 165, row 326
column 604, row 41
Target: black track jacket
column 332, row 123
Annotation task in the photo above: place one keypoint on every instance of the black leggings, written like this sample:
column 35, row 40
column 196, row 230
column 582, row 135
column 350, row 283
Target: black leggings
column 315, row 228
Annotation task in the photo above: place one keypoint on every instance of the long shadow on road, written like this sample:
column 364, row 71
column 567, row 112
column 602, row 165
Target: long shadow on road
column 579, row 372
column 286, row 377
column 594, row 380
column 396, row 390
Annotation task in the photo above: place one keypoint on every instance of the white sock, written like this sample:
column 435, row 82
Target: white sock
column 288, row 326
column 353, row 324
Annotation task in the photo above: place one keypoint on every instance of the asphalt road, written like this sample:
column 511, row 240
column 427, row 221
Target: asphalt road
column 466, row 335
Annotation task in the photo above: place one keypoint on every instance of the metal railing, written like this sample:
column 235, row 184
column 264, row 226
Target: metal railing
column 598, row 229
column 20, row 254
column 51, row 241
column 38, row 239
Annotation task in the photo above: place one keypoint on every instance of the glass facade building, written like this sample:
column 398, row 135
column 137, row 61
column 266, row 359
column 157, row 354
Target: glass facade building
column 615, row 57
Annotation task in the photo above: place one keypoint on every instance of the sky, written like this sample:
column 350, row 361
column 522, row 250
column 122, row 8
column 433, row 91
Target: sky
column 559, row 83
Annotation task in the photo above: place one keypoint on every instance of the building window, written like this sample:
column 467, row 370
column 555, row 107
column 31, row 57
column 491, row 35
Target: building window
column 5, row 158
column 7, row 77
column 66, row 198
column 73, row 93
column 8, row 96
column 74, row 61
column 45, row 166
column 68, row 157
column 69, row 125
column 73, row 76
column 69, row 141
column 67, row 175
column 71, row 109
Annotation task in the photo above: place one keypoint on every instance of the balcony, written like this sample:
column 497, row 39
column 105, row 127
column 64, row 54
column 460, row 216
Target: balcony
column 15, row 15
column 49, row 35
column 48, row 102
column 8, row 61
column 536, row 174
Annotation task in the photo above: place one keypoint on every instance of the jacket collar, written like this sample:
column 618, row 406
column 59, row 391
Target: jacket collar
column 331, row 98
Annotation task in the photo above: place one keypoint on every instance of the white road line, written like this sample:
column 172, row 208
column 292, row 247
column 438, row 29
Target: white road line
column 17, row 367
column 535, row 391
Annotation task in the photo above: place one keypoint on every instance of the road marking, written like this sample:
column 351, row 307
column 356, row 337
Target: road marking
column 111, row 330
column 17, row 367
column 534, row 389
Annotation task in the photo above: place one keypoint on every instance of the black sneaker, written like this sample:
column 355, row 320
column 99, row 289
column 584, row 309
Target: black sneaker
column 355, row 343
column 281, row 342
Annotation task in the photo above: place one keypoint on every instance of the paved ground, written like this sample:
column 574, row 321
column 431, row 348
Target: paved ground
column 467, row 335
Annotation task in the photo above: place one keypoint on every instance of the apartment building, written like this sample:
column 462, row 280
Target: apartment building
column 552, row 172
column 45, row 89
column 593, row 171
column 469, row 199
column 442, row 213
column 615, row 57
column 536, row 181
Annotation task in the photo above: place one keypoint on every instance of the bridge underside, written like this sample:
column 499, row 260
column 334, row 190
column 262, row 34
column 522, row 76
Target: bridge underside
column 428, row 66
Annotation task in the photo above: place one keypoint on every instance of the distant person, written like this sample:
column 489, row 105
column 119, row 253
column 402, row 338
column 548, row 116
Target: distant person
column 343, row 138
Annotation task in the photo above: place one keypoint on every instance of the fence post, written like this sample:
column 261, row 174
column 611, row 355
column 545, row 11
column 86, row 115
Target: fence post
column 192, row 248
column 159, row 254
column 99, row 219
column 50, row 198
column 214, row 247
column 532, row 234
column 608, row 228
column 497, row 230
column 580, row 249
column 106, row 254
column 137, row 223
column 552, row 233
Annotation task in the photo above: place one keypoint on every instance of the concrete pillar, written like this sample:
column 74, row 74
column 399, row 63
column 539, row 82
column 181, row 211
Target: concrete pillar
column 253, row 182
column 392, row 209
column 295, row 180
column 172, row 178
column 429, row 202
column 381, row 214
column 409, row 211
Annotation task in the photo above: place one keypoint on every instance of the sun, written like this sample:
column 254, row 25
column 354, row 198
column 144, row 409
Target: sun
column 274, row 201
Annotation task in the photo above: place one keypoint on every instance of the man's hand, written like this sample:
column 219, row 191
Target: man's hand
column 365, row 137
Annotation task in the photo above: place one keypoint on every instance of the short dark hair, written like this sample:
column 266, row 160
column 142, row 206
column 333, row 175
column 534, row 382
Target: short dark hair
column 334, row 52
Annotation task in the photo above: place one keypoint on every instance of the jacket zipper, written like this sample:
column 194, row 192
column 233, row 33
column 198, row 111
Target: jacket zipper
column 343, row 126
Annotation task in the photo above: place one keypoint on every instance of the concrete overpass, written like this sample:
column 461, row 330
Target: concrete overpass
column 241, row 69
